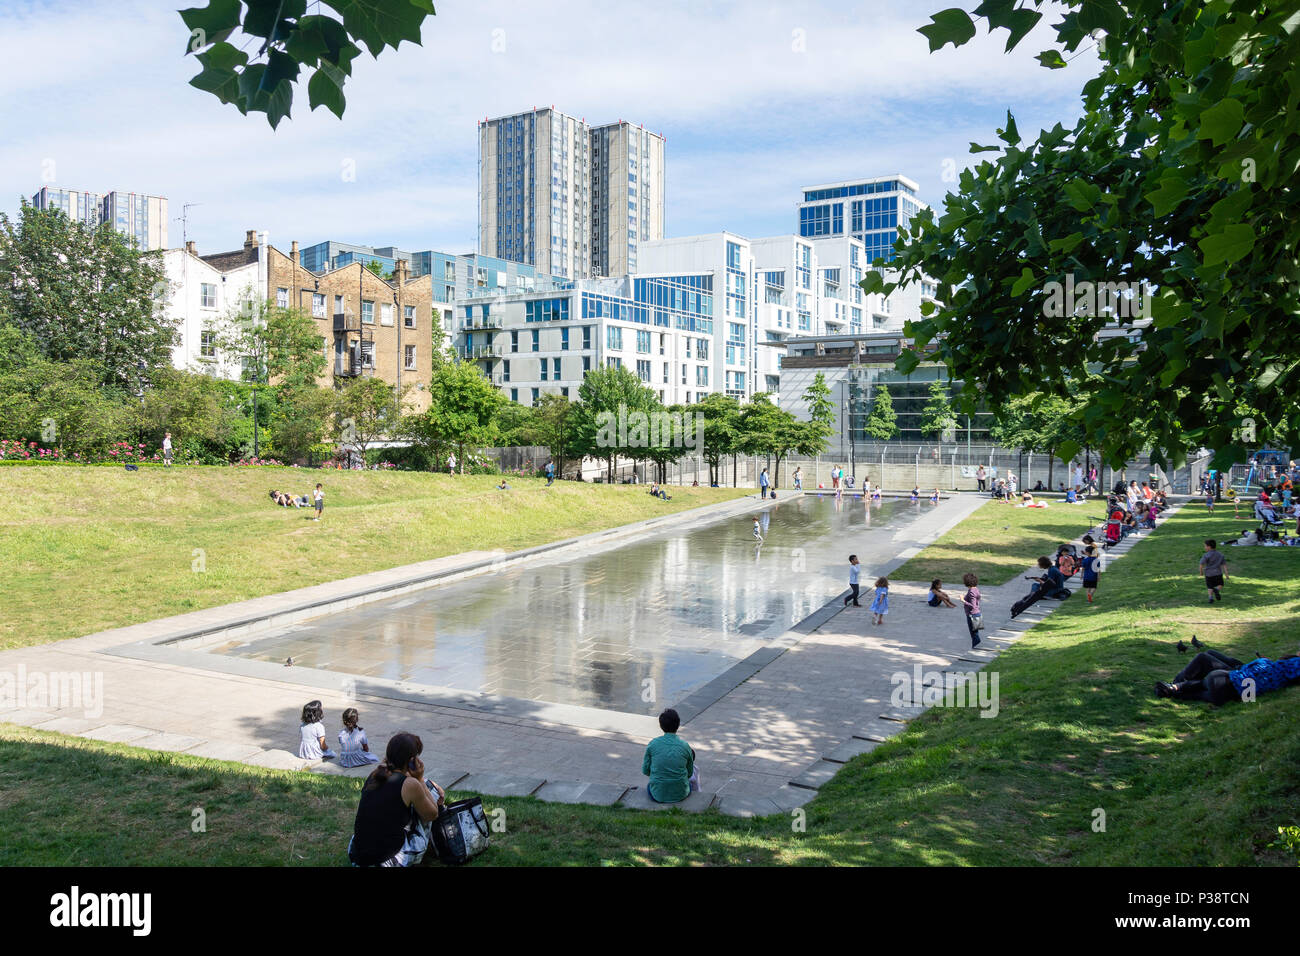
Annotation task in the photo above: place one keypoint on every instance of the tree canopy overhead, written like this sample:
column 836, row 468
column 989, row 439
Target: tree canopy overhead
column 1175, row 181
column 291, row 39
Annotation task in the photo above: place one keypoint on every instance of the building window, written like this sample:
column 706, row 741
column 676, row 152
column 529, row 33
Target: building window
column 537, row 394
column 586, row 364
column 702, row 351
column 614, row 361
column 408, row 316
column 209, row 293
column 614, row 337
column 514, row 395
column 338, row 305
column 643, row 370
column 643, row 343
column 505, row 372
column 564, row 340
column 317, row 306
column 208, row 345
column 386, row 313
column 702, row 375
column 537, row 340
column 555, row 368
column 282, row 298
column 410, row 357
column 542, row 374
column 367, row 312
column 586, row 336
column 514, row 341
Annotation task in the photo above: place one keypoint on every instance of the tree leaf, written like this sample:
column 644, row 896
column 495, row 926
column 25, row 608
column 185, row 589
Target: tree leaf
column 324, row 90
column 1221, row 122
column 1228, row 246
column 1052, row 59
column 953, row 26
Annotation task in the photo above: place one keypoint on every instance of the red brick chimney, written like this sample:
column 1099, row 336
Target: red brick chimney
column 250, row 239
column 293, row 252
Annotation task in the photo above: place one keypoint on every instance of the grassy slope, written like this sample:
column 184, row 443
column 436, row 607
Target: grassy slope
column 999, row 541
column 86, row 549
column 1079, row 729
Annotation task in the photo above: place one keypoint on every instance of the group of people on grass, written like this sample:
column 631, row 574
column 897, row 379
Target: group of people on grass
column 286, row 500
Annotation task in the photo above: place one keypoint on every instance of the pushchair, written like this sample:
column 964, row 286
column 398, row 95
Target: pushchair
column 1269, row 523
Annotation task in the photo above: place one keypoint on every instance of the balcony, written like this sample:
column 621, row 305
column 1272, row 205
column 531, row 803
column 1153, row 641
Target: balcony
column 489, row 323
column 346, row 322
column 473, row 354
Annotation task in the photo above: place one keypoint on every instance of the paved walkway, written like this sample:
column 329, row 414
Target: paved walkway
column 797, row 711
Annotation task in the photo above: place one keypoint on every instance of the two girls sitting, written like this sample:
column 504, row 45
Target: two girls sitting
column 354, row 746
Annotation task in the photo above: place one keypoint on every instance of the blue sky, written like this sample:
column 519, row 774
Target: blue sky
column 756, row 100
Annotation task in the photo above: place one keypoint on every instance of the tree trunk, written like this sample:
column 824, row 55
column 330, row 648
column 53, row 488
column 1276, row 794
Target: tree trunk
column 1051, row 463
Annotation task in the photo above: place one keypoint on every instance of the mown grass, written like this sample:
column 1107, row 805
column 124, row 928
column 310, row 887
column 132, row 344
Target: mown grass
column 86, row 549
column 999, row 541
column 1078, row 730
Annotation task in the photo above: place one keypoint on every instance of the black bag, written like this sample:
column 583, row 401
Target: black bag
column 460, row 831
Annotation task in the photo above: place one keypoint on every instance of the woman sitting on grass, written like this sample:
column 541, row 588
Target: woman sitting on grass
column 398, row 804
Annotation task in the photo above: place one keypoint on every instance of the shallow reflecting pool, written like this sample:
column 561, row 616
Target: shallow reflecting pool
column 630, row 628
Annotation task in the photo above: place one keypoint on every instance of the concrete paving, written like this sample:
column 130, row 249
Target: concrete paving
column 825, row 691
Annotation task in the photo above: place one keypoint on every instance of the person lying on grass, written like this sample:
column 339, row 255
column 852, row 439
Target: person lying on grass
column 1217, row 678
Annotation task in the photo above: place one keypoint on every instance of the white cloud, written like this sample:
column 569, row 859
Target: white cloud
column 751, row 108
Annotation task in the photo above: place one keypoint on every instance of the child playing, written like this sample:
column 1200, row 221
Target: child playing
column 312, row 745
column 758, row 533
column 1214, row 566
column 1091, row 570
column 880, row 606
column 971, row 602
column 855, row 569
column 1209, row 498
column 354, row 746
column 916, row 493
column 318, row 496
column 938, row 595
column 934, row 498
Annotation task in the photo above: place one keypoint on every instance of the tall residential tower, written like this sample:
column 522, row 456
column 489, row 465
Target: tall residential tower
column 572, row 200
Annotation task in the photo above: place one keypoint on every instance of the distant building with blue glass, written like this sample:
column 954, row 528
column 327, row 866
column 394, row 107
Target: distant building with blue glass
column 136, row 215
column 454, row 276
column 869, row 210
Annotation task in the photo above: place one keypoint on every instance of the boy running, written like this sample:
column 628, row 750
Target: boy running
column 1215, row 568
column 855, row 569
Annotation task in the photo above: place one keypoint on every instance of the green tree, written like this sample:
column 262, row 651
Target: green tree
column 463, row 409
column 882, row 421
column 554, row 424
column 610, row 403
column 766, row 429
column 721, row 431
column 821, row 418
column 84, row 294
column 63, row 405
column 1173, row 194
column 292, row 39
column 366, row 410
column 1037, row 423
column 937, row 416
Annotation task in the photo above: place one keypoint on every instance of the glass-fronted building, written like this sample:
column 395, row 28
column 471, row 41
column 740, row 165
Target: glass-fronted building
column 136, row 215
column 869, row 210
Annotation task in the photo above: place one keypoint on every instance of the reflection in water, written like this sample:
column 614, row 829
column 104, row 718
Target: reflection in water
column 631, row 628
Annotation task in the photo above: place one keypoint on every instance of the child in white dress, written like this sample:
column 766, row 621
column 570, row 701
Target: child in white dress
column 354, row 746
column 312, row 745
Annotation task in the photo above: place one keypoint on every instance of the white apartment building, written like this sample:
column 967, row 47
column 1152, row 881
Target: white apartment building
column 572, row 200
column 701, row 314
column 202, row 293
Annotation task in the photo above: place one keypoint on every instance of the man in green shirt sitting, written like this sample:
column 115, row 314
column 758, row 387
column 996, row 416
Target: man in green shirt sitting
column 669, row 763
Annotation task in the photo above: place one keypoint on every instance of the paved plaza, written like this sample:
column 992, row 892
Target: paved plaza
column 768, row 729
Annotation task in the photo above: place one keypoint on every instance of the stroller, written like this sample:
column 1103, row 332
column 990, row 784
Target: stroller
column 1114, row 527
column 1269, row 523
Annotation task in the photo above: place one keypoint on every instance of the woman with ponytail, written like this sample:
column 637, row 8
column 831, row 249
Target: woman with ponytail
column 397, row 805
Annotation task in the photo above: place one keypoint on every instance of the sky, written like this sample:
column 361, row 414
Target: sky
column 757, row 100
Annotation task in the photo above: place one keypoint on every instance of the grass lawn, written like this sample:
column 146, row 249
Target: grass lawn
column 90, row 548
column 1079, row 730
column 999, row 541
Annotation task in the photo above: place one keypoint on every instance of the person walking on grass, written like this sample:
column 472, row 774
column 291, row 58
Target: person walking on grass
column 550, row 473
column 880, row 604
column 318, row 500
column 167, row 449
column 971, row 604
column 1215, row 568
column 1209, row 498
column 855, row 569
column 451, row 464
